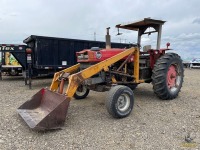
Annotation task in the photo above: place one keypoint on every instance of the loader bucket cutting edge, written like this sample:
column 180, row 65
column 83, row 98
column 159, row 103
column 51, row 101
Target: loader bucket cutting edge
column 45, row 110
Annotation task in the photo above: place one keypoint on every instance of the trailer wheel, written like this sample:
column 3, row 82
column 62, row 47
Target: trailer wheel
column 13, row 73
column 167, row 77
column 81, row 92
column 120, row 101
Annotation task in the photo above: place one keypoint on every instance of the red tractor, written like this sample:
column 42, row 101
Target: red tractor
column 118, row 71
column 163, row 70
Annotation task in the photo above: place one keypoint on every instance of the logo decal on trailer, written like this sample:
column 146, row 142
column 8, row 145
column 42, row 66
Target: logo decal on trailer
column 5, row 48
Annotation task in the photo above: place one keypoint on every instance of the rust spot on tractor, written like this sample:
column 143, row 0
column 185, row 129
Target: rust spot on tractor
column 42, row 91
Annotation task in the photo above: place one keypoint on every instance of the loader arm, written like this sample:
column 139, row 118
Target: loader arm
column 76, row 79
column 56, row 79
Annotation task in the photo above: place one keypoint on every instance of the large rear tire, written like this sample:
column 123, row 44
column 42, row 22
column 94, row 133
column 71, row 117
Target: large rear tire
column 167, row 76
column 81, row 92
column 120, row 101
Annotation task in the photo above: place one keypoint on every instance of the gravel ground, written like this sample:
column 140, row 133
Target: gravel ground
column 153, row 124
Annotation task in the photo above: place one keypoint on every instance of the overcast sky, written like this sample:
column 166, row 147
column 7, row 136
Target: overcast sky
column 81, row 18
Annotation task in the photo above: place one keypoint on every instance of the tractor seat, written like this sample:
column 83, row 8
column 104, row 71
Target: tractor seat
column 146, row 48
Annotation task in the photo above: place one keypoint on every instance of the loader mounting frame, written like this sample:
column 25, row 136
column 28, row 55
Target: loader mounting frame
column 77, row 78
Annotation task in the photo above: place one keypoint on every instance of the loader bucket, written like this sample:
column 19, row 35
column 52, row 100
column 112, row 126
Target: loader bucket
column 46, row 110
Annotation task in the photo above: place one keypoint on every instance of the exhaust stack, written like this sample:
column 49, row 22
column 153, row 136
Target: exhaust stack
column 108, row 43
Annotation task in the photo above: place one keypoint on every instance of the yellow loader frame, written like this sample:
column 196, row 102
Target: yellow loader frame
column 77, row 78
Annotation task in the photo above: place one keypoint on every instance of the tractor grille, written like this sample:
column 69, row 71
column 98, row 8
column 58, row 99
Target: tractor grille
column 83, row 56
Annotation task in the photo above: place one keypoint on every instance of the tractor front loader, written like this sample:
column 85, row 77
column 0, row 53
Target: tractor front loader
column 118, row 71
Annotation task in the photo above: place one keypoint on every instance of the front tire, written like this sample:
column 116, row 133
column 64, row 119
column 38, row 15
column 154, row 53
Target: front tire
column 120, row 101
column 81, row 92
column 167, row 77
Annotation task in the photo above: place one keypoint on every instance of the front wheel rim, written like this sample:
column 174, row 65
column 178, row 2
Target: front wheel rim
column 123, row 102
column 81, row 90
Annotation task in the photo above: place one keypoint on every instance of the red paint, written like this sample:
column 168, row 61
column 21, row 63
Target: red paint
column 42, row 91
column 171, row 76
column 105, row 54
column 168, row 44
column 155, row 54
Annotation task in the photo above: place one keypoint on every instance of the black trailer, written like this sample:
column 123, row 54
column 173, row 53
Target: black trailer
column 51, row 54
column 46, row 55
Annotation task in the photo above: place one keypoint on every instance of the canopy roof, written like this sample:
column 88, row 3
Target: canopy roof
column 142, row 24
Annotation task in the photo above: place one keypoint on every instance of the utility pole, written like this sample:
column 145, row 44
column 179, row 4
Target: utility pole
column 94, row 36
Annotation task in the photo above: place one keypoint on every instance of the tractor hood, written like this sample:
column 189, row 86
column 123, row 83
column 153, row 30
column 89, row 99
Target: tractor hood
column 89, row 55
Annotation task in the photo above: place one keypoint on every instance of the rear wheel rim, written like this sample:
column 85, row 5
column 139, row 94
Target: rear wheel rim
column 173, row 77
column 123, row 102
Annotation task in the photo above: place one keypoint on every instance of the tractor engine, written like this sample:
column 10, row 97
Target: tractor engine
column 102, row 80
